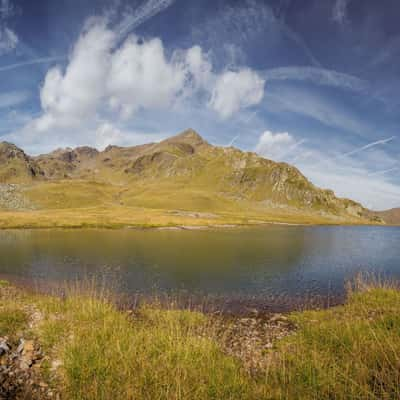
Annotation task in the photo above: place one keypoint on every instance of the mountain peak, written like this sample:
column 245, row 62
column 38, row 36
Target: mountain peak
column 189, row 136
column 10, row 150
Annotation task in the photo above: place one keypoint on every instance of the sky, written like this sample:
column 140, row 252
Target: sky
column 315, row 83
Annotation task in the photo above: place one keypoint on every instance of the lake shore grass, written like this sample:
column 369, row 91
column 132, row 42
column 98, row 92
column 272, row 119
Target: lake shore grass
column 147, row 218
column 93, row 350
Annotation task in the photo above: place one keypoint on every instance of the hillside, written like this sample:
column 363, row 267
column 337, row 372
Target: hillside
column 181, row 174
column 390, row 216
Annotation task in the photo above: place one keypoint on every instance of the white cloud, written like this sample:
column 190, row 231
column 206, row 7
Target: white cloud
column 313, row 105
column 8, row 40
column 141, row 14
column 236, row 90
column 276, row 146
column 141, row 77
column 319, row 76
column 13, row 98
column 353, row 177
column 75, row 95
column 107, row 79
column 109, row 134
column 199, row 67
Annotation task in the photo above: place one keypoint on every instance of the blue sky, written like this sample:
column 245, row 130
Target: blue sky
column 315, row 83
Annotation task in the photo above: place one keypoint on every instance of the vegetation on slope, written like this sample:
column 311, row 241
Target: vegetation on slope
column 346, row 352
column 181, row 173
column 390, row 216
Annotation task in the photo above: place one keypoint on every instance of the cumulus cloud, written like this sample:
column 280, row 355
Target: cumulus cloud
column 106, row 76
column 199, row 67
column 235, row 90
column 276, row 146
column 141, row 77
column 68, row 98
column 353, row 177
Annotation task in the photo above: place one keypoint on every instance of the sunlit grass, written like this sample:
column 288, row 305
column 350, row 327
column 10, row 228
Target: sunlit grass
column 346, row 352
column 89, row 204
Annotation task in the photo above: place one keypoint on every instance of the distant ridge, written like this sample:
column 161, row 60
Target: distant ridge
column 390, row 216
column 183, row 171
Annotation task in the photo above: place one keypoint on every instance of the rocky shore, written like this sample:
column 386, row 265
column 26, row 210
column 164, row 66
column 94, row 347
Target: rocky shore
column 27, row 372
column 252, row 339
column 21, row 369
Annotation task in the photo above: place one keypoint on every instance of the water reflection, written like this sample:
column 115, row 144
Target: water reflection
column 247, row 263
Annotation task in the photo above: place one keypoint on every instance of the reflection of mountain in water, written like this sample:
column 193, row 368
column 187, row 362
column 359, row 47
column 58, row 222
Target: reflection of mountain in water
column 250, row 262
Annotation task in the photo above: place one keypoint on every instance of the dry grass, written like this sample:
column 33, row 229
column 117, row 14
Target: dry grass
column 81, row 203
column 346, row 352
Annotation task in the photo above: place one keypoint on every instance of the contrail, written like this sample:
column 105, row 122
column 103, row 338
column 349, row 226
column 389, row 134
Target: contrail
column 293, row 147
column 43, row 60
column 367, row 146
column 141, row 15
column 386, row 171
column 246, row 120
column 233, row 140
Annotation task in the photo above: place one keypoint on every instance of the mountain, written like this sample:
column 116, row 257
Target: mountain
column 390, row 216
column 16, row 166
column 183, row 172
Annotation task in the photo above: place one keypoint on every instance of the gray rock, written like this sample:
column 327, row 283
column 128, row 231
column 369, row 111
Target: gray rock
column 4, row 348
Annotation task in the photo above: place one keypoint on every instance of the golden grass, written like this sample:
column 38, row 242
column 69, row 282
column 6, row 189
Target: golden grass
column 346, row 352
column 82, row 204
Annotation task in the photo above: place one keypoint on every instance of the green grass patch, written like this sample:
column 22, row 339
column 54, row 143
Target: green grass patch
column 160, row 354
column 348, row 352
column 11, row 321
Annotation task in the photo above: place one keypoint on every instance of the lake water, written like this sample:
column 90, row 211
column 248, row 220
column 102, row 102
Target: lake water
column 273, row 267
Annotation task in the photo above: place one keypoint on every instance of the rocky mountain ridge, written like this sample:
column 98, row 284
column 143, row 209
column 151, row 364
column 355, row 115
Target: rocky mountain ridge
column 186, row 160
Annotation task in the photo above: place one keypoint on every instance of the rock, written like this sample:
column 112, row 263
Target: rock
column 278, row 318
column 21, row 345
column 4, row 348
column 29, row 347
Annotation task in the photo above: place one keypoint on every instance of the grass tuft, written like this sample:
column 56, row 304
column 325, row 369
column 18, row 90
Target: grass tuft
column 346, row 352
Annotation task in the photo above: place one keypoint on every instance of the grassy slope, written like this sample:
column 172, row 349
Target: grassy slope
column 347, row 352
column 146, row 185
column 80, row 203
column 390, row 216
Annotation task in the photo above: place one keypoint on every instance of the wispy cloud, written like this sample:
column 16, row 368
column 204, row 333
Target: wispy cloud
column 142, row 14
column 244, row 120
column 13, row 98
column 8, row 38
column 131, row 21
column 368, row 146
column 339, row 11
column 384, row 172
column 351, row 178
column 310, row 103
column 319, row 76
column 42, row 60
column 247, row 20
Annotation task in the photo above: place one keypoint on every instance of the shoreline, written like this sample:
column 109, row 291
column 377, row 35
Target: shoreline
column 52, row 347
column 187, row 227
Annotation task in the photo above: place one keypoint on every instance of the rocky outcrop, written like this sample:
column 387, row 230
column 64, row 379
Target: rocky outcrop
column 16, row 166
column 192, row 161
column 20, row 377
column 12, row 198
